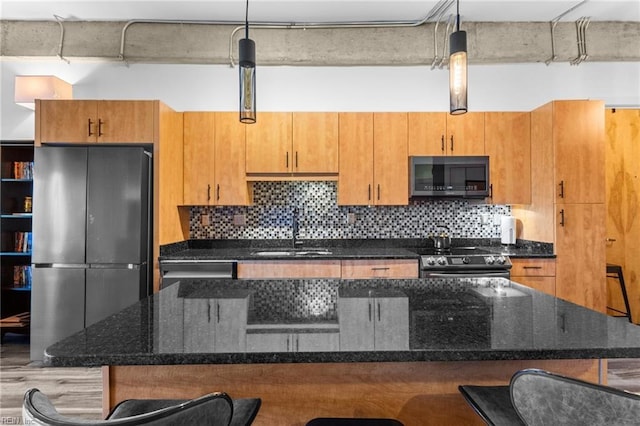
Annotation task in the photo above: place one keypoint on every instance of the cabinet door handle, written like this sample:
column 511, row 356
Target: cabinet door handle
column 561, row 189
column 218, row 192
column 297, row 343
column 218, row 312
column 209, row 312
column 532, row 267
column 611, row 240
column 380, row 268
column 451, row 143
column 100, row 123
column 442, row 144
column 287, row 160
column 490, row 190
column 562, row 217
column 378, row 192
column 89, row 124
column 208, row 193
column 379, row 314
column 369, row 193
column 369, row 311
column 296, row 160
column 288, row 343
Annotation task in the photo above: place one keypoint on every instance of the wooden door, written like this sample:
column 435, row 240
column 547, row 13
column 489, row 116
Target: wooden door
column 317, row 342
column 390, row 159
column 580, row 250
column 329, row 268
column 68, row 121
column 269, row 146
column 508, row 145
column 391, row 323
column 426, row 133
column 231, row 323
column 356, row 323
column 315, row 142
column 355, row 182
column 578, row 135
column 229, row 177
column 199, row 331
column 465, row 134
column 379, row 268
column 199, row 156
column 126, row 122
column 269, row 342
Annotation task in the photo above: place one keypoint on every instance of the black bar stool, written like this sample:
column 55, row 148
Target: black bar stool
column 615, row 271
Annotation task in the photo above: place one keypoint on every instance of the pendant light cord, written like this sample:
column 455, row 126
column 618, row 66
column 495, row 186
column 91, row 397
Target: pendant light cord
column 246, row 21
column 457, row 13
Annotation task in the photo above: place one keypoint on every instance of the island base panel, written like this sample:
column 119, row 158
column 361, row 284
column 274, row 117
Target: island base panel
column 413, row 392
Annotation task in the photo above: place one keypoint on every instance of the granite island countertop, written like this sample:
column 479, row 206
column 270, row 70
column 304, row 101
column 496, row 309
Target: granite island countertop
column 405, row 248
column 322, row 320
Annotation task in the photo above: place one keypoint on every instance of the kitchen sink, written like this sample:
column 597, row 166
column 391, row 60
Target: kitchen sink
column 299, row 252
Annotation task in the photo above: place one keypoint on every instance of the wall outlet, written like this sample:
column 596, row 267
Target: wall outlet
column 205, row 219
column 239, row 219
column 351, row 218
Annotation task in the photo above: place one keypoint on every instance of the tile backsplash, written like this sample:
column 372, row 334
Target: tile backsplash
column 319, row 216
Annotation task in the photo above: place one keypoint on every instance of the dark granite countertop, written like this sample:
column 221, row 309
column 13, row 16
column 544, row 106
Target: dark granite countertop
column 448, row 319
column 337, row 249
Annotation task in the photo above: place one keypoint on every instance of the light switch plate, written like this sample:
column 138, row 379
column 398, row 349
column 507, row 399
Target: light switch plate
column 351, row 218
column 239, row 219
column 205, row 219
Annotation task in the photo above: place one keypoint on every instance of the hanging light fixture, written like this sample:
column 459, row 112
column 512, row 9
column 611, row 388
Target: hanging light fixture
column 458, row 68
column 247, row 60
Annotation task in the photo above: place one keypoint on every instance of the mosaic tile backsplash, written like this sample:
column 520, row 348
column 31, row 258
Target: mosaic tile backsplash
column 319, row 216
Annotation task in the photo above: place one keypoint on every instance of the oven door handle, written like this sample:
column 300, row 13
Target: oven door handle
column 467, row 275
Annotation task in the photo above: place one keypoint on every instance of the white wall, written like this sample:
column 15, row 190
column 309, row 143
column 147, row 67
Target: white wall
column 215, row 87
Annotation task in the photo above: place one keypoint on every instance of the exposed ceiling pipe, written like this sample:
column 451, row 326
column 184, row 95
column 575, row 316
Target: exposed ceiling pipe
column 553, row 24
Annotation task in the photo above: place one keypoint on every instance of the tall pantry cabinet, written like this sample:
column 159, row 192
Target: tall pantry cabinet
column 151, row 122
column 568, row 196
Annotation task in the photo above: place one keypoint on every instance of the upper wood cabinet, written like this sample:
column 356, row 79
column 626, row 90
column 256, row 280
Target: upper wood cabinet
column 293, row 143
column 214, row 159
column 508, row 145
column 373, row 159
column 578, row 137
column 439, row 133
column 91, row 121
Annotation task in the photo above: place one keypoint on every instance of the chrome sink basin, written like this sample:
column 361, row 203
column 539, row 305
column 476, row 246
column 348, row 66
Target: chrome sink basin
column 306, row 252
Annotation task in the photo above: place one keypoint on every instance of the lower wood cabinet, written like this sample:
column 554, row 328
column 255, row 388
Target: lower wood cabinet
column 373, row 323
column 258, row 269
column 380, row 268
column 297, row 341
column 539, row 274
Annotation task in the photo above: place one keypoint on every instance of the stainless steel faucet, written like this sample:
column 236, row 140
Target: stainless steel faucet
column 295, row 227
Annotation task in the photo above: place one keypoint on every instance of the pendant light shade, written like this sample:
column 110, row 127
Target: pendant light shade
column 458, row 71
column 247, row 62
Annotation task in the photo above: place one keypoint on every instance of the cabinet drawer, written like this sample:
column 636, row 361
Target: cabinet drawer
column 289, row 269
column 533, row 267
column 380, row 268
column 544, row 284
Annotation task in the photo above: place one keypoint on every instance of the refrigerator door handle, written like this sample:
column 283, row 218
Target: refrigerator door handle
column 61, row 265
column 117, row 265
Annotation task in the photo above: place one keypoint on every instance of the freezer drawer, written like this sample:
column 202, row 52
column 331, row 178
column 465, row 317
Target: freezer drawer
column 57, row 306
column 110, row 291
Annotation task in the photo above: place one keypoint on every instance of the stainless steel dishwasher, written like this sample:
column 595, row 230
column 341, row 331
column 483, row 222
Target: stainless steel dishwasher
column 172, row 271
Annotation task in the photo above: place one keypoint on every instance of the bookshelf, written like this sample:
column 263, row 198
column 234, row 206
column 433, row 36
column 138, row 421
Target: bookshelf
column 16, row 180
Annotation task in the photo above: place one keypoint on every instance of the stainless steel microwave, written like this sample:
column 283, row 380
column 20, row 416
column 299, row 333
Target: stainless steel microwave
column 449, row 176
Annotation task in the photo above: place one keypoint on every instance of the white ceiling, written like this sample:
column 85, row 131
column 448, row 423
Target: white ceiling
column 301, row 11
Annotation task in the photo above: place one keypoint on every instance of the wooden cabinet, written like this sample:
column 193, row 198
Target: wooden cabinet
column 373, row 323
column 215, row 325
column 539, row 274
column 567, row 158
column 439, row 133
column 373, row 159
column 379, row 268
column 214, row 159
column 16, row 182
column 293, row 143
column 508, row 145
column 293, row 341
column 289, row 268
column 91, row 121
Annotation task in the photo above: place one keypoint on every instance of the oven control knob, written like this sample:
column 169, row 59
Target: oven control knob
column 466, row 260
column 442, row 260
column 430, row 260
column 490, row 260
column 501, row 260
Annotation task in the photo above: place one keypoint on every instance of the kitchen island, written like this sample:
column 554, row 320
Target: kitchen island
column 343, row 348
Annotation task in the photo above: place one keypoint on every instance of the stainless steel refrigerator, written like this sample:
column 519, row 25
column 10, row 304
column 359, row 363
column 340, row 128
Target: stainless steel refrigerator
column 92, row 215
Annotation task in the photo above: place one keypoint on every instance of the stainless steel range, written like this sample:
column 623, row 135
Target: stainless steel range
column 464, row 262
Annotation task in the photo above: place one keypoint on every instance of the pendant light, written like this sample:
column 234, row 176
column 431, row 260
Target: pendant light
column 458, row 68
column 247, row 62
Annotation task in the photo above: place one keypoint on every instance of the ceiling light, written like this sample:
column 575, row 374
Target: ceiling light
column 28, row 88
column 247, row 61
column 458, row 69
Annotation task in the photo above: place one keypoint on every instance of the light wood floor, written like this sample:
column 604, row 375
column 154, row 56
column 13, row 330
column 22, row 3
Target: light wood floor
column 77, row 392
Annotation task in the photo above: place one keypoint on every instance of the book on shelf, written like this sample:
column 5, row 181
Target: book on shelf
column 21, row 276
column 23, row 241
column 23, row 169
